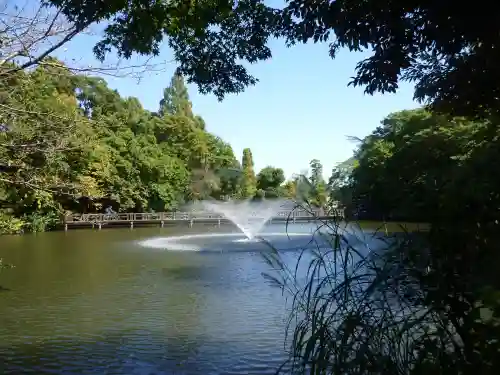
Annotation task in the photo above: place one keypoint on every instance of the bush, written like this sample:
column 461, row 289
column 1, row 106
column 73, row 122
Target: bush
column 41, row 222
column 10, row 224
column 390, row 308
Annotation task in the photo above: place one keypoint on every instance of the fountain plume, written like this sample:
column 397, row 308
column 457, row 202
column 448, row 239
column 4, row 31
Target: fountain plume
column 248, row 215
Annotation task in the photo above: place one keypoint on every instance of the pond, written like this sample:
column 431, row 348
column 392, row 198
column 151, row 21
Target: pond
column 123, row 301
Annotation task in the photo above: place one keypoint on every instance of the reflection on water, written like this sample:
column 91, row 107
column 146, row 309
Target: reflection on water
column 96, row 302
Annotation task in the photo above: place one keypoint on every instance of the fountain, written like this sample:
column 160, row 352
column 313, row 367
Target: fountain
column 249, row 216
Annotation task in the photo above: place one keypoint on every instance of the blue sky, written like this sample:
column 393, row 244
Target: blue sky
column 300, row 110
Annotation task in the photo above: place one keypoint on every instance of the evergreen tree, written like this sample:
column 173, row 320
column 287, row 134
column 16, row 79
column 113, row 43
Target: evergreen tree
column 249, row 180
column 319, row 193
column 176, row 99
column 316, row 173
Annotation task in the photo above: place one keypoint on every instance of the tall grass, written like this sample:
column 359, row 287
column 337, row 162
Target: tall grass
column 381, row 304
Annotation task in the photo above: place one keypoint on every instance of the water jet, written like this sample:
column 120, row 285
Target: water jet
column 249, row 216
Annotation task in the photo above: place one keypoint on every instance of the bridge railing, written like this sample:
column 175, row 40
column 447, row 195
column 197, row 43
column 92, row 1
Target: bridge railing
column 170, row 216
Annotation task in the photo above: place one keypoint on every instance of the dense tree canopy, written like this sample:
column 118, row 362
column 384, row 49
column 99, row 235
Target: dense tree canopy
column 68, row 142
column 269, row 181
column 432, row 295
column 416, row 164
column 419, row 166
column 449, row 50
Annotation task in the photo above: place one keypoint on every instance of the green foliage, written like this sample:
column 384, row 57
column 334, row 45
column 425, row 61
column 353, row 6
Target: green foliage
column 248, row 179
column 446, row 49
column 385, row 307
column 70, row 143
column 303, row 188
column 316, row 177
column 230, row 179
column 289, row 189
column 311, row 190
column 37, row 222
column 10, row 224
column 209, row 38
column 259, row 194
column 339, row 183
column 44, row 131
column 307, row 190
column 270, row 178
column 419, row 158
column 411, row 303
column 320, row 195
column 176, row 99
column 269, row 181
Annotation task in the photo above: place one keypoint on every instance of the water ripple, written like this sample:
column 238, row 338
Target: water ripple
column 141, row 353
column 108, row 309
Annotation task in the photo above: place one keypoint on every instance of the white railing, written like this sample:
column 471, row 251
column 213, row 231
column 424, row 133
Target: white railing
column 179, row 216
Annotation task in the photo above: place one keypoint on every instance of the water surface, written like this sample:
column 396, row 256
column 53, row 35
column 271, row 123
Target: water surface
column 97, row 302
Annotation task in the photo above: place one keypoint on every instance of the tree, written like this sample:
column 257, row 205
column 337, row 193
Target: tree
column 33, row 31
column 415, row 155
column 316, row 172
column 320, row 196
column 49, row 148
column 290, row 189
column 318, row 190
column 230, row 178
column 249, row 181
column 302, row 186
column 269, row 180
column 30, row 35
column 341, row 175
column 445, row 48
column 69, row 142
column 339, row 183
column 200, row 123
column 417, row 165
column 176, row 100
